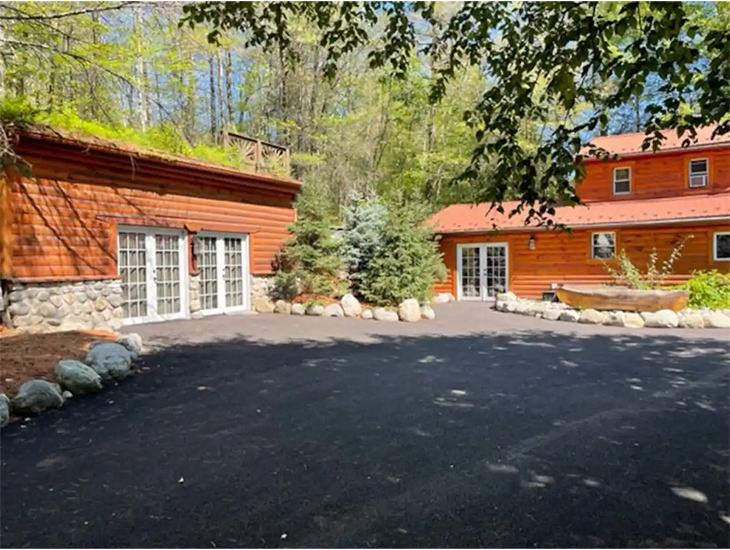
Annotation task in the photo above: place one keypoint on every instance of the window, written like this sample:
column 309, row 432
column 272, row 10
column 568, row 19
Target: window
column 722, row 247
column 698, row 173
column 621, row 181
column 603, row 246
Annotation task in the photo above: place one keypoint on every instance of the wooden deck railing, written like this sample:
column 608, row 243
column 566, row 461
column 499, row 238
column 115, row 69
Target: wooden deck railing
column 261, row 155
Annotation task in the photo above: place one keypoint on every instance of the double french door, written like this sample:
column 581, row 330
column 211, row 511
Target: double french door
column 482, row 270
column 152, row 266
column 223, row 268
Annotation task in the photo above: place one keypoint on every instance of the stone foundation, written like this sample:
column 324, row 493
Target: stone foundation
column 261, row 287
column 195, row 306
column 47, row 307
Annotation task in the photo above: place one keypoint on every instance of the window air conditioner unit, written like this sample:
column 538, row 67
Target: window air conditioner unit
column 699, row 180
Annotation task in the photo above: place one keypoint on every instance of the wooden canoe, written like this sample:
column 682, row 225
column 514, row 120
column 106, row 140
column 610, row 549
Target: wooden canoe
column 625, row 299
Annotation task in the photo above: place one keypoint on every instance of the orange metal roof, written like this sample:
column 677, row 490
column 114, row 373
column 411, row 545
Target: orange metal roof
column 470, row 218
column 630, row 144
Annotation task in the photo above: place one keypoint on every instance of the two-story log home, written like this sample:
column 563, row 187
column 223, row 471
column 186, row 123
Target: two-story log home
column 643, row 200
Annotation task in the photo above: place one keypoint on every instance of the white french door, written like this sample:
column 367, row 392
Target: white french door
column 223, row 268
column 152, row 264
column 482, row 270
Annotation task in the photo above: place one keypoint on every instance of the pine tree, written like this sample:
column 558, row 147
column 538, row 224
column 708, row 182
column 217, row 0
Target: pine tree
column 408, row 262
column 310, row 262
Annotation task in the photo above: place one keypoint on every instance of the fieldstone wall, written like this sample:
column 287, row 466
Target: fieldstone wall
column 48, row 307
column 261, row 287
column 195, row 306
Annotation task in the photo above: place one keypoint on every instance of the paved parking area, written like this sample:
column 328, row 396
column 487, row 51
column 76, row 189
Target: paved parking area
column 476, row 429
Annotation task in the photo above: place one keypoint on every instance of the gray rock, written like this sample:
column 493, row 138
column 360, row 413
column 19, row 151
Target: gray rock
column 382, row 314
column 111, row 361
column 36, row 396
column 47, row 310
column 334, row 310
column 664, row 318
column 77, row 377
column 298, row 309
column 615, row 319
column 691, row 320
column 16, row 296
column 427, row 312
column 42, row 296
column 282, row 307
column 18, row 309
column 506, row 297
column 632, row 320
column 263, row 304
column 350, row 306
column 4, row 410
column 715, row 319
column 115, row 300
column 66, row 395
column 133, row 343
column 315, row 310
column 56, row 300
column 442, row 298
column 591, row 317
column 367, row 314
column 409, row 310
column 510, row 307
column 569, row 315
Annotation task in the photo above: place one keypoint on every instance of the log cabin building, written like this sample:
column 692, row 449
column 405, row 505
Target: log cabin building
column 102, row 234
column 641, row 201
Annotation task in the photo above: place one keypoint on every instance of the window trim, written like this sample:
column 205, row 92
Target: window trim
column 614, row 180
column 714, row 246
column 593, row 244
column 689, row 173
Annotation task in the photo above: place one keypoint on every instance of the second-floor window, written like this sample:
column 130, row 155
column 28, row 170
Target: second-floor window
column 698, row 173
column 721, row 247
column 621, row 181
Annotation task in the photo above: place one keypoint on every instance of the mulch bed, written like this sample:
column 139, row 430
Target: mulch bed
column 27, row 356
column 319, row 298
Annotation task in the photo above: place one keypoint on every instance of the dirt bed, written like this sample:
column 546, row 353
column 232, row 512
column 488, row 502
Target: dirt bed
column 27, row 356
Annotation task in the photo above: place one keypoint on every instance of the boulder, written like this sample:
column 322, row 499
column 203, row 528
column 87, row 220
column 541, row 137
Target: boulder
column 615, row 319
column 569, row 315
column 715, row 319
column 111, row 361
column 591, row 317
column 427, row 312
column 509, row 307
column 409, row 310
column 632, row 320
column 382, row 314
column 133, row 343
column 4, row 409
column 691, row 320
column 551, row 314
column 282, row 307
column 36, row 396
column 315, row 309
column 664, row 318
column 506, row 297
column 350, row 306
column 367, row 314
column 442, row 298
column 77, row 377
column 334, row 310
column 298, row 309
column 263, row 304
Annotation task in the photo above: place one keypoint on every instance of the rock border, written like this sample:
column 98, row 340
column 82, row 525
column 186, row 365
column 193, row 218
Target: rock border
column 408, row 311
column 508, row 302
column 106, row 362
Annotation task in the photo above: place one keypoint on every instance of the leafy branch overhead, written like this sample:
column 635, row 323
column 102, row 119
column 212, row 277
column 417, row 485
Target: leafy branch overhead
column 563, row 66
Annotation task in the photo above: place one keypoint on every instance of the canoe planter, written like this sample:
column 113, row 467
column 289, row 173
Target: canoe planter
column 624, row 299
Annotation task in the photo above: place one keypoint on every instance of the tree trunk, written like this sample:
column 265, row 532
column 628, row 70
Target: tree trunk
column 213, row 103
column 140, row 77
column 223, row 117
column 229, row 88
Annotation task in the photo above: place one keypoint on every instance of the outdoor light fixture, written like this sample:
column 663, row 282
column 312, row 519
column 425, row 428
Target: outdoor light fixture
column 197, row 245
column 531, row 243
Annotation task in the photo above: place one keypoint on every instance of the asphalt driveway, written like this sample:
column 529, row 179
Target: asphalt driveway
column 476, row 429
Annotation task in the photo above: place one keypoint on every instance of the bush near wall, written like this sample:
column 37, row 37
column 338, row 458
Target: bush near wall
column 708, row 289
